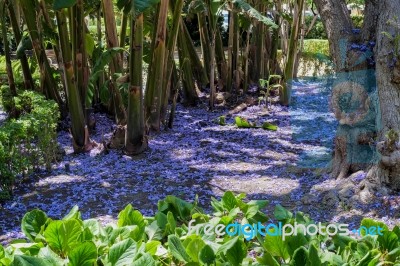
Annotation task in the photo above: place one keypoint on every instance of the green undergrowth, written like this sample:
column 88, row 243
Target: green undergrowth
column 165, row 239
column 27, row 138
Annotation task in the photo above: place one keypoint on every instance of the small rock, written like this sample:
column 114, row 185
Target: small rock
column 383, row 191
column 330, row 199
column 366, row 196
column 357, row 177
column 346, row 192
column 67, row 167
column 308, row 199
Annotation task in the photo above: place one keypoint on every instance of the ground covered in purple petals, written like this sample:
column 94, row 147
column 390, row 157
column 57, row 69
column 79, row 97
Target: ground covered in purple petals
column 200, row 157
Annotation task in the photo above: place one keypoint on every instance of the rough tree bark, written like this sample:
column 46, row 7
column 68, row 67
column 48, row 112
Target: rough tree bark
column 345, row 45
column 388, row 81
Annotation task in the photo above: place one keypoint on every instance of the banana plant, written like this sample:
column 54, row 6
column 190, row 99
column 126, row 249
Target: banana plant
column 292, row 52
column 48, row 83
column 176, row 9
column 28, row 81
column 135, row 138
column 154, row 85
column 78, row 128
column 4, row 30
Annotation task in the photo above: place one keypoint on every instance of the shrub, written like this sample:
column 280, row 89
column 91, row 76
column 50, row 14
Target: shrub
column 27, row 141
column 357, row 21
column 165, row 239
column 317, row 31
column 315, row 47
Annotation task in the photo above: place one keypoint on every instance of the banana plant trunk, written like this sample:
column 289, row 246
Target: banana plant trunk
column 220, row 59
column 233, row 51
column 205, row 42
column 4, row 30
column 186, row 67
column 198, row 70
column 117, row 64
column 48, row 83
column 28, row 80
column 81, row 67
column 176, row 9
column 156, row 71
column 74, row 102
column 135, row 140
column 292, row 52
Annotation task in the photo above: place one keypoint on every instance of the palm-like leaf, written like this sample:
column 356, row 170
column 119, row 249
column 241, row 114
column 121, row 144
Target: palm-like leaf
column 139, row 5
column 250, row 11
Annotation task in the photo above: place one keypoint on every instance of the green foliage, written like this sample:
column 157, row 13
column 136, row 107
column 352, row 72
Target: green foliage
column 73, row 241
column 28, row 139
column 316, row 47
column 243, row 123
column 60, row 4
column 102, row 59
column 267, row 86
column 317, row 31
column 357, row 21
column 253, row 13
column 139, row 5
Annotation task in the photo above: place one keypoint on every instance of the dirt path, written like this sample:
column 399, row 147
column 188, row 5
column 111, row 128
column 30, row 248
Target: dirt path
column 200, row 157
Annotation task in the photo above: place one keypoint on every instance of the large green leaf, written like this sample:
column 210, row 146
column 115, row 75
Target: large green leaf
column 276, row 246
column 24, row 44
column 388, row 241
column 129, row 216
column 229, row 201
column 180, row 208
column 268, row 259
column 63, row 236
column 33, row 223
column 49, row 255
column 152, row 246
column 177, row 250
column 269, row 126
column 313, row 256
column 368, row 223
column 243, row 123
column 300, row 257
column 139, row 5
column 145, row 260
column 250, row 11
column 207, row 255
column 194, row 247
column 281, row 213
column 104, row 59
column 122, row 253
column 60, row 4
column 237, row 253
column 197, row 6
column 74, row 213
column 23, row 260
column 84, row 254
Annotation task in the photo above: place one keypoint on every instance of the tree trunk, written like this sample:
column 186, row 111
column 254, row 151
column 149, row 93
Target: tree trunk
column 388, row 82
column 176, row 9
column 80, row 138
column 156, row 71
column 7, row 51
column 338, row 26
column 116, row 66
column 135, row 140
column 381, row 25
column 48, row 82
column 28, row 81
